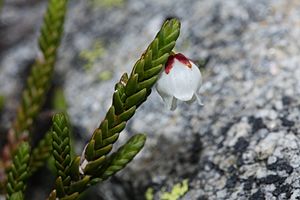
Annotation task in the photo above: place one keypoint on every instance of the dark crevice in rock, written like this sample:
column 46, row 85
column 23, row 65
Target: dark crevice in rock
column 248, row 183
column 195, row 149
column 286, row 122
column 240, row 146
column 232, row 181
column 286, row 100
column 225, row 129
column 286, row 188
column 213, row 166
column 281, row 165
column 259, row 195
column 257, row 123
column 271, row 179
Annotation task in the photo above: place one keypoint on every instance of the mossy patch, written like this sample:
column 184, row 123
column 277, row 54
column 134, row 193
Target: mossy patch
column 177, row 191
column 105, row 75
column 90, row 56
column 149, row 194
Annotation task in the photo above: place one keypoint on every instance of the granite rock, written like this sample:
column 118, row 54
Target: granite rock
column 242, row 144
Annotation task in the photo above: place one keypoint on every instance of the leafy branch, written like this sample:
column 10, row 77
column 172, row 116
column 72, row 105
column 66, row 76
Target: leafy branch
column 96, row 164
column 33, row 97
column 123, row 156
column 129, row 94
column 61, row 153
column 40, row 76
column 41, row 153
column 67, row 186
column 18, row 172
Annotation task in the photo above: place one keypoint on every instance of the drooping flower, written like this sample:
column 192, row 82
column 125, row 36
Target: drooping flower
column 180, row 80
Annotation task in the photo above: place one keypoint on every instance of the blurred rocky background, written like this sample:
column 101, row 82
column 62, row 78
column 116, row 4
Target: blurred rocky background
column 243, row 143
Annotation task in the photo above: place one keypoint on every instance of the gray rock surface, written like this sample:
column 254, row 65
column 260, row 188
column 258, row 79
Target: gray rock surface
column 242, row 144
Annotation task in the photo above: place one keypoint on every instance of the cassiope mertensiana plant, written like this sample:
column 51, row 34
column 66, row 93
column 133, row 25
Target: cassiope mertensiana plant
column 177, row 78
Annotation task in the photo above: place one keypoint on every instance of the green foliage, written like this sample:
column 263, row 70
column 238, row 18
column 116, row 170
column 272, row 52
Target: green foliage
column 38, row 83
column 129, row 94
column 124, row 155
column 41, row 153
column 61, row 153
column 52, row 195
column 95, row 164
column 39, row 79
column 17, row 196
column 68, row 184
column 18, row 173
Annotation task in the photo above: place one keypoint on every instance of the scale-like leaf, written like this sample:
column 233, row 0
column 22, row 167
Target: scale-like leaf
column 61, row 153
column 124, row 155
column 41, row 153
column 18, row 172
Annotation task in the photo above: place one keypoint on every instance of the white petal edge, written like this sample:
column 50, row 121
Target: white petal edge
column 169, row 101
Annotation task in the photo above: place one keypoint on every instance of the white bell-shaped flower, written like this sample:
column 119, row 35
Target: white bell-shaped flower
column 180, row 80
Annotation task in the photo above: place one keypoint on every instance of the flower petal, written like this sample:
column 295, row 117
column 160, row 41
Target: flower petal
column 198, row 99
column 183, row 81
column 170, row 101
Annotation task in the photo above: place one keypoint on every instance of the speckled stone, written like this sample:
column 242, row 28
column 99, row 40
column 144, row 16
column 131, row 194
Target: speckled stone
column 242, row 144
